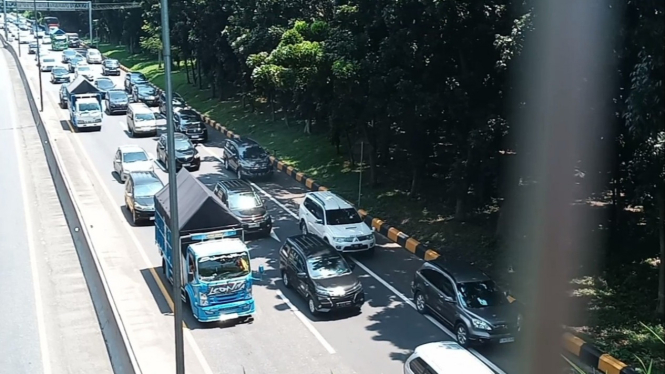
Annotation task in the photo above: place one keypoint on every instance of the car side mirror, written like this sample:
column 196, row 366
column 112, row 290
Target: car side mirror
column 448, row 299
column 302, row 275
column 318, row 221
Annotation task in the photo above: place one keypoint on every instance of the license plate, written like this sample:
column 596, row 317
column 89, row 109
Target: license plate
column 344, row 303
column 506, row 340
column 253, row 225
column 195, row 136
column 152, row 218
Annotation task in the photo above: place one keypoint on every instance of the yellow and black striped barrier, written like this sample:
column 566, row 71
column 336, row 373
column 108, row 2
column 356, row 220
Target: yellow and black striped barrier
column 585, row 352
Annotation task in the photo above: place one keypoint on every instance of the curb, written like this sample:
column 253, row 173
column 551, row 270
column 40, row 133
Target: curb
column 587, row 353
column 118, row 346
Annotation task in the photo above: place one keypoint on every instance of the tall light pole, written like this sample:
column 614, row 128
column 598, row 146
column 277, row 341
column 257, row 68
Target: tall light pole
column 39, row 60
column 173, row 195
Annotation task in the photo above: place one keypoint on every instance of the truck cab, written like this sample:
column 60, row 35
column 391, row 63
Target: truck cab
column 84, row 104
column 218, row 284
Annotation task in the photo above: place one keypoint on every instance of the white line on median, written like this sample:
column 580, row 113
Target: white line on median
column 41, row 326
column 392, row 289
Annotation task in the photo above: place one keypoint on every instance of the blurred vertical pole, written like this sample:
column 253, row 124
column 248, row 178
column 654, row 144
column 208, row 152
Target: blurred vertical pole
column 560, row 87
column 39, row 61
column 4, row 17
column 90, row 23
column 173, row 193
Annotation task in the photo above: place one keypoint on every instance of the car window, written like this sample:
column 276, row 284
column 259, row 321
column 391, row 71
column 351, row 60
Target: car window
column 148, row 189
column 104, row 83
column 144, row 117
column 342, row 217
column 327, row 266
column 244, row 201
column 481, row 294
column 419, row 366
column 433, row 276
column 134, row 157
column 254, row 153
column 183, row 144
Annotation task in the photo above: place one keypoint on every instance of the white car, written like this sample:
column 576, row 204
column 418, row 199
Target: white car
column 130, row 158
column 47, row 63
column 85, row 71
column 444, row 358
column 93, row 56
column 46, row 40
column 336, row 221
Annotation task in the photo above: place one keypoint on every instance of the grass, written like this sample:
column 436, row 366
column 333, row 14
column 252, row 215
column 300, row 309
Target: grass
column 612, row 311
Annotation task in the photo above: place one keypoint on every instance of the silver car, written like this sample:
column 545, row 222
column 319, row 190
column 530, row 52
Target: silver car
column 129, row 158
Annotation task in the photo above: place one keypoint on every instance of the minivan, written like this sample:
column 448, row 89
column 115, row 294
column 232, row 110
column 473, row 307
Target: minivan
column 93, row 56
column 141, row 120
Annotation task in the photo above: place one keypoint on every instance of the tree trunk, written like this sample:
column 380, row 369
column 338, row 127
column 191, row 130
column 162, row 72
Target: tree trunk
column 198, row 68
column 187, row 72
column 463, row 188
column 271, row 100
column 159, row 58
column 660, row 310
column 415, row 181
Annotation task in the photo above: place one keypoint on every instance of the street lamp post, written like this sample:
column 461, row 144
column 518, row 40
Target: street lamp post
column 173, row 194
column 39, row 61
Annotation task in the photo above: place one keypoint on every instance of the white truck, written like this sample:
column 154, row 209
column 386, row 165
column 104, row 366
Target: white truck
column 85, row 104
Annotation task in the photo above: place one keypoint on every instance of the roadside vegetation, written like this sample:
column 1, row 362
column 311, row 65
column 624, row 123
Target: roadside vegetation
column 317, row 83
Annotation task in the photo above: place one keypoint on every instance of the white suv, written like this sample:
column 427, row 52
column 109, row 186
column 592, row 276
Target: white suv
column 336, row 221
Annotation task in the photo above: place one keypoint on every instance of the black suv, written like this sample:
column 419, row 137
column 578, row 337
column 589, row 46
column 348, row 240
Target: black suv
column 468, row 300
column 140, row 190
column 246, row 158
column 74, row 62
column 246, row 204
column 144, row 93
column 110, row 66
column 116, row 101
column 320, row 274
column 186, row 154
column 191, row 124
column 177, row 101
column 132, row 78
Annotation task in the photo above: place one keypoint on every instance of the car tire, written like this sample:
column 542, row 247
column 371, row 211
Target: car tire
column 303, row 228
column 285, row 279
column 462, row 335
column 310, row 306
column 131, row 132
column 419, row 301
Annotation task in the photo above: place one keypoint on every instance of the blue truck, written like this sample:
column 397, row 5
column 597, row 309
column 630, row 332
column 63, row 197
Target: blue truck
column 216, row 272
column 84, row 101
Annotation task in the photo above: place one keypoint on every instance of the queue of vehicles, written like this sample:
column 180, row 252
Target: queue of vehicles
column 217, row 276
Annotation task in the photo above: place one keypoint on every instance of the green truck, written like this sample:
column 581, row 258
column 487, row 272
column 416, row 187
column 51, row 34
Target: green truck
column 59, row 40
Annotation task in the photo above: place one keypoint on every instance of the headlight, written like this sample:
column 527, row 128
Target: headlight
column 322, row 291
column 203, row 299
column 342, row 240
column 481, row 325
column 197, row 156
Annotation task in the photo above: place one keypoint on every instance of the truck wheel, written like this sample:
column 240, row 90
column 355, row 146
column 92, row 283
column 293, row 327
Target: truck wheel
column 163, row 266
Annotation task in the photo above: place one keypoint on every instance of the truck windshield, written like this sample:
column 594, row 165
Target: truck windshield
column 214, row 268
column 88, row 107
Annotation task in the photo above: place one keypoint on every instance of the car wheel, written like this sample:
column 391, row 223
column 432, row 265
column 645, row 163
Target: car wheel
column 303, row 227
column 285, row 279
column 131, row 132
column 462, row 335
column 311, row 306
column 421, row 304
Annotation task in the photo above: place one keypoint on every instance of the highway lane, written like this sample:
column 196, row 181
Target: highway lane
column 48, row 323
column 385, row 332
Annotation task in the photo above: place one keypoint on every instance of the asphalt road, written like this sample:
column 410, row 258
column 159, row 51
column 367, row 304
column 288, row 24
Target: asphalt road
column 47, row 322
column 284, row 337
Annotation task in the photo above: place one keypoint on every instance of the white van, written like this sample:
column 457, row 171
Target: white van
column 141, row 120
column 444, row 358
column 93, row 56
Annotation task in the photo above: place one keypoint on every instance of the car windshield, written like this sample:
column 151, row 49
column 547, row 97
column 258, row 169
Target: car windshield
column 481, row 294
column 183, row 144
column 140, row 117
column 105, row 84
column 244, row 201
column 214, row 268
column 134, row 157
column 117, row 95
column 84, row 68
column 49, row 60
column 137, row 78
column 111, row 63
column 70, row 53
column 147, row 190
column 342, row 217
column 146, row 90
column 88, row 107
column 254, row 152
column 60, row 71
column 93, row 53
column 327, row 266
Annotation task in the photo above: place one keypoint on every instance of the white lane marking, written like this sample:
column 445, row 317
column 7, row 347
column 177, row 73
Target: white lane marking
column 187, row 334
column 392, row 289
column 41, row 325
column 307, row 323
column 273, row 235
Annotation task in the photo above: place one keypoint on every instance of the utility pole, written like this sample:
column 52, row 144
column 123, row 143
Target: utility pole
column 173, row 195
column 19, row 42
column 39, row 61
column 90, row 20
column 4, row 16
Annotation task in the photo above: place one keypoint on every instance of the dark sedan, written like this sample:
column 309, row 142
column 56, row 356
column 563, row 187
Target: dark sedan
column 144, row 93
column 104, row 85
column 110, row 67
column 177, row 101
column 134, row 78
column 186, row 154
column 59, row 74
column 74, row 61
column 116, row 101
